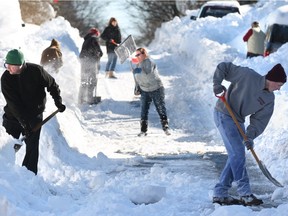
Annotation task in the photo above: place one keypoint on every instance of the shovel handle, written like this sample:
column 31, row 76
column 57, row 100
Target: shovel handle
column 223, row 99
column 260, row 164
column 17, row 146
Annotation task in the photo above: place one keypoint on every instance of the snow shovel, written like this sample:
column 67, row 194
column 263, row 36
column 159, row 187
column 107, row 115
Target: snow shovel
column 17, row 146
column 260, row 164
column 124, row 50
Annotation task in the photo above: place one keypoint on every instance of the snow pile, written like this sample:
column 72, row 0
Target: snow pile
column 279, row 16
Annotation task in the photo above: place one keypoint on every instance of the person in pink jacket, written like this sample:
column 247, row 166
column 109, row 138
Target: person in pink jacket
column 255, row 40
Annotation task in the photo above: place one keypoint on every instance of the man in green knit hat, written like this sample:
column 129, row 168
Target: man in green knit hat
column 23, row 86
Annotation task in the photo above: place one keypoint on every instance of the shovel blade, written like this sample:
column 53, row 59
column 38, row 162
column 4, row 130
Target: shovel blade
column 17, row 147
column 268, row 175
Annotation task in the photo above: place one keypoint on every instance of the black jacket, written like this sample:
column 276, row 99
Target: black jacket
column 91, row 48
column 25, row 93
column 109, row 33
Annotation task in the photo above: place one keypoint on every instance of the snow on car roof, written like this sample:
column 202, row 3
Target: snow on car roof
column 279, row 16
column 223, row 3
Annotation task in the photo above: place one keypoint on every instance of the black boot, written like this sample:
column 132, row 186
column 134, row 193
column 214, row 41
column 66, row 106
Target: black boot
column 144, row 126
column 165, row 126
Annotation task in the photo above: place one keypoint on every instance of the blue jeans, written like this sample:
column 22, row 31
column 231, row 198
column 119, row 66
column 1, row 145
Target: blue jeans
column 235, row 168
column 112, row 60
column 157, row 97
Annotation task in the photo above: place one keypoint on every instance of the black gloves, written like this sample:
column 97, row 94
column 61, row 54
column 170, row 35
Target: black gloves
column 61, row 107
column 218, row 89
column 249, row 144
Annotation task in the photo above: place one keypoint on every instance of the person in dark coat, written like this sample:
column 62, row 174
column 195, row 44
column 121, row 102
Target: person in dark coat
column 23, row 86
column 112, row 36
column 90, row 65
column 51, row 58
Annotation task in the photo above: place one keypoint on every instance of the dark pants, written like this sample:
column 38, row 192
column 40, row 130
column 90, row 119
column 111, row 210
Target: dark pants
column 251, row 55
column 157, row 97
column 32, row 152
column 14, row 128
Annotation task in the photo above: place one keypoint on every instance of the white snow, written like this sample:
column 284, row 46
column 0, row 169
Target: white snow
column 279, row 16
column 230, row 3
column 91, row 160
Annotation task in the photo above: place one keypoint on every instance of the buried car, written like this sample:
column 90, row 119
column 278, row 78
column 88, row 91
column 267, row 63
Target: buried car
column 217, row 9
column 277, row 30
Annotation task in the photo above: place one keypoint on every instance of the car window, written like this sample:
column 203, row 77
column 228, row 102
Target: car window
column 217, row 11
column 279, row 34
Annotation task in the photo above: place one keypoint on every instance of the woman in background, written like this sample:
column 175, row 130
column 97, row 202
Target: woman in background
column 112, row 36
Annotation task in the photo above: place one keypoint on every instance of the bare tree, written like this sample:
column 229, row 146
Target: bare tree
column 153, row 14
column 82, row 14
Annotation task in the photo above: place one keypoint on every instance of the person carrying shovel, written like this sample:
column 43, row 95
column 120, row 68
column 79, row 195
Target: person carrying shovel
column 249, row 94
column 23, row 86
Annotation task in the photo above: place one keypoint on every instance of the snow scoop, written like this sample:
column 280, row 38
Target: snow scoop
column 124, row 50
column 260, row 164
column 17, row 146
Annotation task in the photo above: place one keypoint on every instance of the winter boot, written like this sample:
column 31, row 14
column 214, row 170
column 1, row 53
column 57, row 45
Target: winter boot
column 165, row 126
column 250, row 200
column 226, row 201
column 111, row 75
column 144, row 126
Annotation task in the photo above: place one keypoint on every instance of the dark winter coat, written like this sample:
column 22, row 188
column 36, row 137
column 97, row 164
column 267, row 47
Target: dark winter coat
column 52, row 56
column 111, row 33
column 25, row 93
column 91, row 48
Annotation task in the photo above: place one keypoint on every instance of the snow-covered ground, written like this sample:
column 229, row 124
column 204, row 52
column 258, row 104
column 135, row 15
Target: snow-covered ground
column 91, row 160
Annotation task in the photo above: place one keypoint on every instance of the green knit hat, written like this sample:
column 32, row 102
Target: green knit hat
column 14, row 57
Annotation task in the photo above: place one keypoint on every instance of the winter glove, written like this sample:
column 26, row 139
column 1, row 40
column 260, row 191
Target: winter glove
column 219, row 89
column 137, row 90
column 12, row 126
column 249, row 143
column 137, row 70
column 113, row 42
column 134, row 61
column 61, row 107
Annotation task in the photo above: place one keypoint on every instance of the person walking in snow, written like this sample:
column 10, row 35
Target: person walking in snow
column 51, row 58
column 249, row 94
column 112, row 37
column 23, row 86
column 90, row 65
column 147, row 77
column 255, row 41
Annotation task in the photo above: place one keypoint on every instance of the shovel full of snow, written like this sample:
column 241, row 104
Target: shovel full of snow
column 17, row 146
column 124, row 50
column 260, row 164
